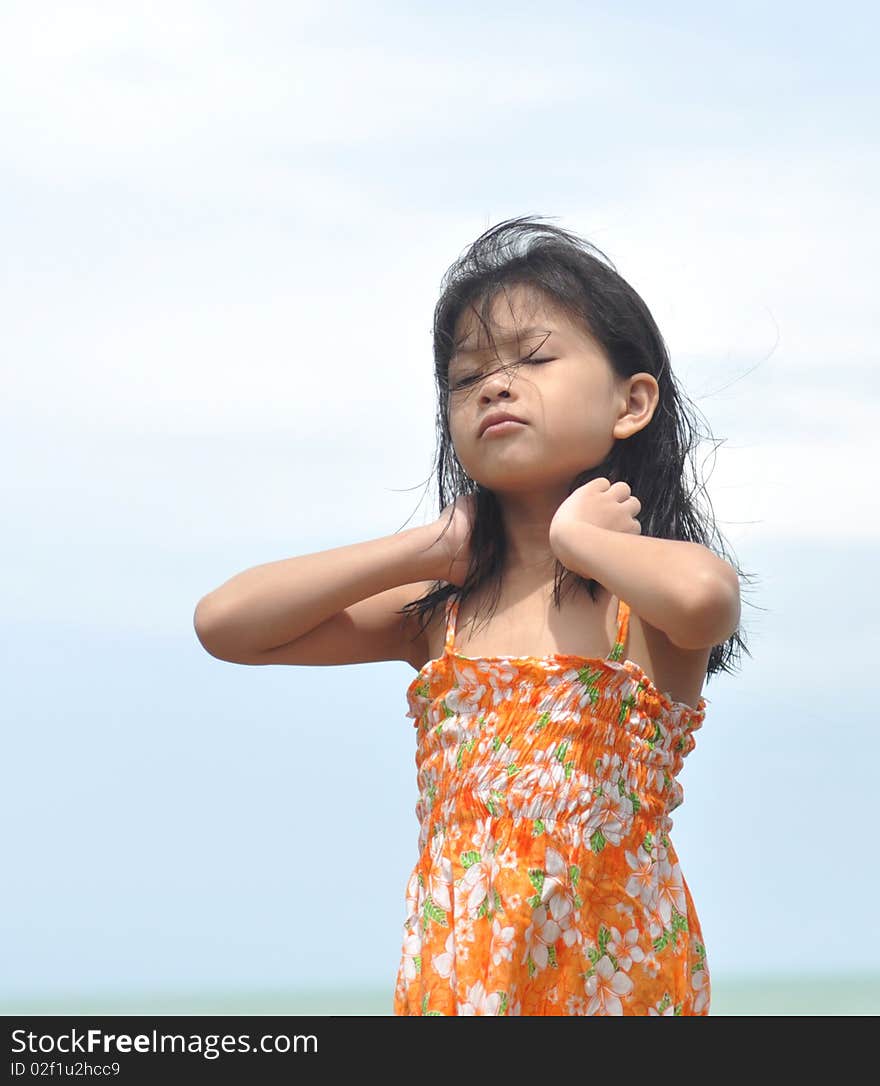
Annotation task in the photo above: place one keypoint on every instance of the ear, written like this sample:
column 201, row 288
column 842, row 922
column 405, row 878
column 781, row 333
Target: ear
column 640, row 403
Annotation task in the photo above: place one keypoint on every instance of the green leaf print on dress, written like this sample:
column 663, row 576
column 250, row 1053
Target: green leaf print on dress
column 547, row 881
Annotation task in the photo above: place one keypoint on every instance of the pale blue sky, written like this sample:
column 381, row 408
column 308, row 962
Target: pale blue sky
column 225, row 227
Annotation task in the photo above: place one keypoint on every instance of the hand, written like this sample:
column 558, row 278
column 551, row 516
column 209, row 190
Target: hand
column 451, row 545
column 601, row 503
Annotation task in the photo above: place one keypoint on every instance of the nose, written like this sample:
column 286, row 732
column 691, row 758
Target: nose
column 496, row 383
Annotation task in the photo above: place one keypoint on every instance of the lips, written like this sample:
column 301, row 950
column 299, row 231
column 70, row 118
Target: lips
column 497, row 416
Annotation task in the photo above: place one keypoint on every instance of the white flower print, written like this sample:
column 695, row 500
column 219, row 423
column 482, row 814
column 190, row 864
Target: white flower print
column 436, row 848
column 610, row 766
column 444, row 963
column 611, row 813
column 546, row 769
column 451, row 744
column 454, row 832
column 571, row 934
column 508, row 859
column 440, row 884
column 503, row 939
column 655, row 778
column 700, row 980
column 700, row 984
column 556, row 708
column 529, row 780
column 576, row 835
column 557, row 894
column 605, row 987
column 502, row 683
column 625, row 948
column 659, row 851
column 670, row 890
column 412, row 948
column 414, row 899
column 481, row 838
column 466, row 697
column 651, row 964
column 547, row 786
column 497, row 762
column 540, row 935
column 475, row 883
column 581, row 697
column 555, row 876
column 447, row 735
column 480, row 1002
column 485, row 747
column 642, row 883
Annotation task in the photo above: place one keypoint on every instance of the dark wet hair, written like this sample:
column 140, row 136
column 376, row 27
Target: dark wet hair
column 580, row 280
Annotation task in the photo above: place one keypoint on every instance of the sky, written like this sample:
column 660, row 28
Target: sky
column 225, row 228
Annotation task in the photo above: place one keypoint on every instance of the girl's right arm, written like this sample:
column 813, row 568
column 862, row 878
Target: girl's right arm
column 331, row 607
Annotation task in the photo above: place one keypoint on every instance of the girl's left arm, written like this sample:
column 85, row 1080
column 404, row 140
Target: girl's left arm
column 682, row 588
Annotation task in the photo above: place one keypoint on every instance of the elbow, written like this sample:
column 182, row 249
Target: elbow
column 213, row 632
column 714, row 615
column 206, row 630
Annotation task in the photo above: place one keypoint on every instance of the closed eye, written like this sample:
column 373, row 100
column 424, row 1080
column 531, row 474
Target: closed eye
column 465, row 382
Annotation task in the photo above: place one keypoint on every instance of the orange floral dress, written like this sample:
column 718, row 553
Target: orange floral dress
column 547, row 883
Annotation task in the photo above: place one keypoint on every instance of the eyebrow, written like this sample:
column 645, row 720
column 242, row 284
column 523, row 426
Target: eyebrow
column 525, row 333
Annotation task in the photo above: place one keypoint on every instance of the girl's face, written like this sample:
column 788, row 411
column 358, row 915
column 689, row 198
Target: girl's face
column 556, row 379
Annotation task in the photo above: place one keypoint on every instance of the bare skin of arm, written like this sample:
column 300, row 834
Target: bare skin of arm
column 331, row 607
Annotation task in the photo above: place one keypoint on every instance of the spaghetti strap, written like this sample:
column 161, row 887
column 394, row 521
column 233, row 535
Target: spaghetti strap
column 617, row 649
column 568, row 765
column 451, row 615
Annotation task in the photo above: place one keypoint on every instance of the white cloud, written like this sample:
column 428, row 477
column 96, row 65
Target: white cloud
column 226, row 225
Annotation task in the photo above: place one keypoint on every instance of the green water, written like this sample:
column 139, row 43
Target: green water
column 833, row 994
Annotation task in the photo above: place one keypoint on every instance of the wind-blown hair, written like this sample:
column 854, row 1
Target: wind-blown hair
column 656, row 462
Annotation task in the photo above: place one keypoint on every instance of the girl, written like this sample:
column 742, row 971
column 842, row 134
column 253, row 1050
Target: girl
column 547, row 882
